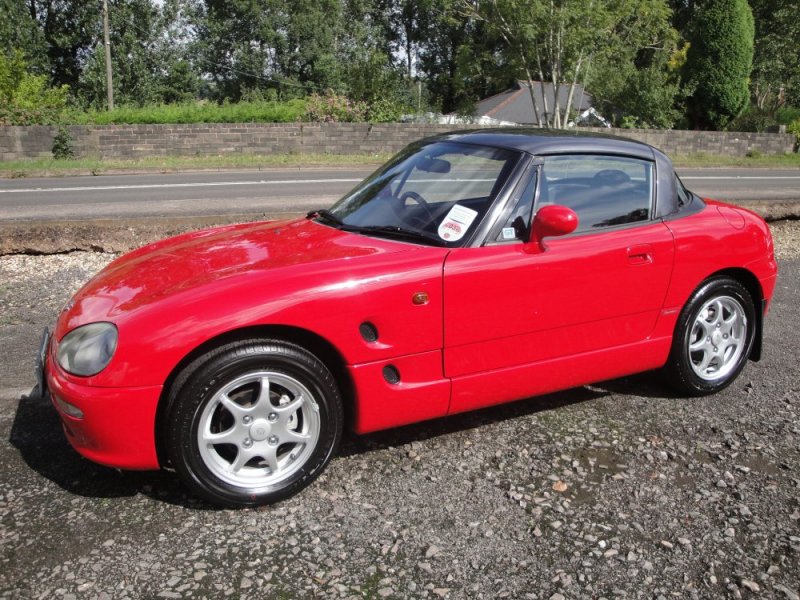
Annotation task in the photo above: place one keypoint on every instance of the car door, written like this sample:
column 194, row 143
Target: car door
column 511, row 304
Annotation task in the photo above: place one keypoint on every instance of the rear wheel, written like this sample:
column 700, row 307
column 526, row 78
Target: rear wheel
column 713, row 338
column 253, row 422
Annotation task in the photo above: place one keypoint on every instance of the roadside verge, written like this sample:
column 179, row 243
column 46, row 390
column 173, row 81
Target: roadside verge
column 53, row 236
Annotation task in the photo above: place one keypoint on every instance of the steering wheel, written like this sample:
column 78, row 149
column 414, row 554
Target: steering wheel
column 411, row 195
column 420, row 222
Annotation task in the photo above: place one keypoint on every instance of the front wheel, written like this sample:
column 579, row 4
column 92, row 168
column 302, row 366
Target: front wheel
column 713, row 338
column 253, row 422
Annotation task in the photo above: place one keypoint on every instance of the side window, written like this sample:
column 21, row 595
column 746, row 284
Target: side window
column 604, row 191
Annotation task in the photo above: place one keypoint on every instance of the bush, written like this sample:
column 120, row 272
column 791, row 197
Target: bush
column 196, row 112
column 385, row 111
column 26, row 99
column 62, row 144
column 755, row 120
column 794, row 127
column 12, row 115
column 787, row 114
column 333, row 108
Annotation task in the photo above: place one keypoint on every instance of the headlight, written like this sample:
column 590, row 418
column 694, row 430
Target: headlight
column 87, row 350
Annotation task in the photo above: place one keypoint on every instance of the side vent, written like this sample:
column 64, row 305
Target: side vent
column 391, row 374
column 368, row 331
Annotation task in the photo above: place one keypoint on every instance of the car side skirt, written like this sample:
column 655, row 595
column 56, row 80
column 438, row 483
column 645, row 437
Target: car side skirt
column 422, row 393
column 503, row 385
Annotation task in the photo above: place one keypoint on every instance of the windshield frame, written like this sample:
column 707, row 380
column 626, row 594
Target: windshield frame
column 505, row 182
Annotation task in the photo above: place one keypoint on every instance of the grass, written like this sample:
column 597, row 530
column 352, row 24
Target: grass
column 81, row 166
column 759, row 161
column 95, row 166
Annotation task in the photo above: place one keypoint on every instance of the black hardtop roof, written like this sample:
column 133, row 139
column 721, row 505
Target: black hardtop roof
column 550, row 141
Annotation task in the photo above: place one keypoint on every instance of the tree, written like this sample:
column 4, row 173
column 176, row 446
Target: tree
column 641, row 89
column 457, row 55
column 776, row 68
column 240, row 45
column 26, row 98
column 559, row 41
column 718, row 63
column 19, row 31
column 148, row 57
column 69, row 28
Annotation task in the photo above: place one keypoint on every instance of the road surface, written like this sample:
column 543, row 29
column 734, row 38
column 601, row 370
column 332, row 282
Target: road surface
column 284, row 190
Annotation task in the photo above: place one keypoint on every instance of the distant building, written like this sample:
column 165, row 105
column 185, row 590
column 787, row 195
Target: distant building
column 515, row 105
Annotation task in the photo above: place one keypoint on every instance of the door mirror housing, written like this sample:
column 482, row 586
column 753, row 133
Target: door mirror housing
column 553, row 220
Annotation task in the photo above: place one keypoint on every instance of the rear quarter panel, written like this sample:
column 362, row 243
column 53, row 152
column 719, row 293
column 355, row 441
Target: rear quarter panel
column 717, row 238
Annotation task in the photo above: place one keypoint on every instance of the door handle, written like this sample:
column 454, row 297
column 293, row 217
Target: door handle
column 641, row 254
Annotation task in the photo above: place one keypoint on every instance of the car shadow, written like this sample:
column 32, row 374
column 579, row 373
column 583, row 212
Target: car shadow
column 650, row 384
column 645, row 385
column 38, row 436
column 353, row 444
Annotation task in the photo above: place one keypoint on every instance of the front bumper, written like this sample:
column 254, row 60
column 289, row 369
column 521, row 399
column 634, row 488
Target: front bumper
column 117, row 425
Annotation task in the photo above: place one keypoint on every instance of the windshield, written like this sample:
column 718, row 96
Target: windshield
column 435, row 194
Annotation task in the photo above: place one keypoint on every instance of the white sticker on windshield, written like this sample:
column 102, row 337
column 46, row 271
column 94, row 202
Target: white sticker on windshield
column 456, row 223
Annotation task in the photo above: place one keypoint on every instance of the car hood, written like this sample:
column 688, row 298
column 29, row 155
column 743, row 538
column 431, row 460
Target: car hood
column 214, row 257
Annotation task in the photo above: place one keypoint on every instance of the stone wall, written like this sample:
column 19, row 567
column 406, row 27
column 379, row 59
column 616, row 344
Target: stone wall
column 133, row 141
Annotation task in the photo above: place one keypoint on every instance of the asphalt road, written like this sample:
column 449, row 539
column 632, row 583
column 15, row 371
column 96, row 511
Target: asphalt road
column 284, row 190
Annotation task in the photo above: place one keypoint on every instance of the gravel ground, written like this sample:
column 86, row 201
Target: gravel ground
column 614, row 490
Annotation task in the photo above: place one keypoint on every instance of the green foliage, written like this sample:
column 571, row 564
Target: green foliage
column 794, row 127
column 385, row 111
column 149, row 59
column 19, row 31
column 560, row 42
column 752, row 119
column 12, row 70
column 787, row 114
column 62, row 144
column 70, row 29
column 647, row 95
column 776, row 68
column 26, row 98
column 718, row 63
column 333, row 108
column 391, row 57
column 457, row 53
column 196, row 112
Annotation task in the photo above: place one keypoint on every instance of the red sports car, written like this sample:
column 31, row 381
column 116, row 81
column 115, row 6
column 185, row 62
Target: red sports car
column 472, row 269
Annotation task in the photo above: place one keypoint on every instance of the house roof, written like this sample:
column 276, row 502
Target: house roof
column 515, row 105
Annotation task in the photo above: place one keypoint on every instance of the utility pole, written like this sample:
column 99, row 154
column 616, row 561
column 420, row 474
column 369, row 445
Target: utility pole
column 107, row 43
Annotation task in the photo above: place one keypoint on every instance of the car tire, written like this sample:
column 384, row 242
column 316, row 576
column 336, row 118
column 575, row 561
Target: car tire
column 713, row 338
column 253, row 422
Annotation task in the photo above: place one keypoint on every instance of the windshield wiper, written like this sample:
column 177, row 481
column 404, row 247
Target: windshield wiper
column 401, row 232
column 387, row 230
column 325, row 214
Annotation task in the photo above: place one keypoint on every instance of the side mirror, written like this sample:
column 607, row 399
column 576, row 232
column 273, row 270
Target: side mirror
column 553, row 220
